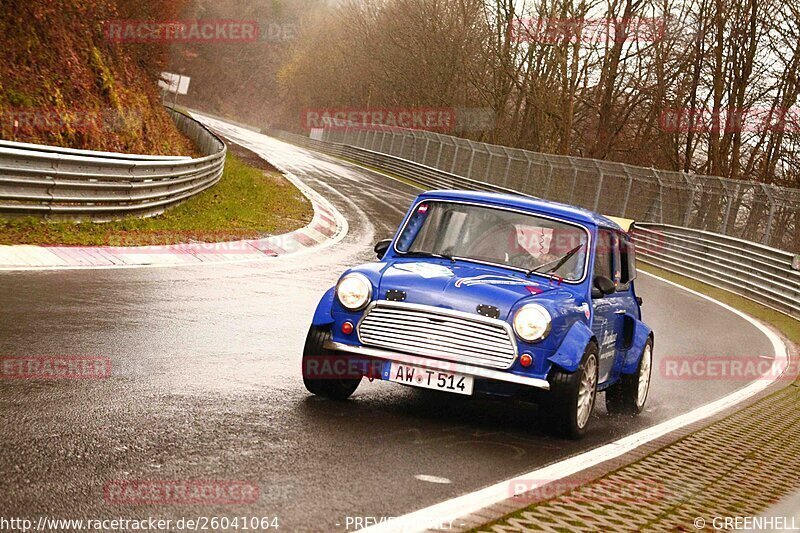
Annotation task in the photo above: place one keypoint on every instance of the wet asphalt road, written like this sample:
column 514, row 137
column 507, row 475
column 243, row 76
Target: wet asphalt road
column 206, row 385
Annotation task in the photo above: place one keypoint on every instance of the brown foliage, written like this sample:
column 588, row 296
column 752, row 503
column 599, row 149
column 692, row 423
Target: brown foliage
column 63, row 82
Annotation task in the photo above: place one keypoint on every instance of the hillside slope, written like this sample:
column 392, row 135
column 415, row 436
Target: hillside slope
column 64, row 82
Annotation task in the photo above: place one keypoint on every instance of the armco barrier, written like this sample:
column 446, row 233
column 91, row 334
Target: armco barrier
column 415, row 172
column 740, row 208
column 63, row 183
column 755, row 271
column 759, row 273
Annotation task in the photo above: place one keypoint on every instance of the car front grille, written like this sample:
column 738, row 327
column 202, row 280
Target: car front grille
column 439, row 333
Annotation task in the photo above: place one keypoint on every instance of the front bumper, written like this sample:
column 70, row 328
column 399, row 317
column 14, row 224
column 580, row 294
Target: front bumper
column 437, row 364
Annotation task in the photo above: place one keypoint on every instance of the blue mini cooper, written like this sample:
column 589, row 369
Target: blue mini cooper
column 496, row 294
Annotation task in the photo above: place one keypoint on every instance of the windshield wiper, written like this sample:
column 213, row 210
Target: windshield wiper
column 558, row 262
column 430, row 254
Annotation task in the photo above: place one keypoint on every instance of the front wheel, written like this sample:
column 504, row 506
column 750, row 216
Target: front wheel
column 322, row 373
column 572, row 396
column 629, row 395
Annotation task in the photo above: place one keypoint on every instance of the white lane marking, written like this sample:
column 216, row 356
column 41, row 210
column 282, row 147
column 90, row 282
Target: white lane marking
column 433, row 479
column 462, row 506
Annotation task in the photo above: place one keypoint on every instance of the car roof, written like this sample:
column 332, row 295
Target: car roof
column 527, row 203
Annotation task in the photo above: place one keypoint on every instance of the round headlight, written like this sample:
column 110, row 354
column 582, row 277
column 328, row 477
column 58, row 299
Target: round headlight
column 354, row 291
column 532, row 323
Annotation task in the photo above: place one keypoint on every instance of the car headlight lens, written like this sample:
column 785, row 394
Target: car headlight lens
column 354, row 291
column 532, row 322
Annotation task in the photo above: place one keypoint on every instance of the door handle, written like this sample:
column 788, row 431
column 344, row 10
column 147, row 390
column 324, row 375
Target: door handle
column 620, row 312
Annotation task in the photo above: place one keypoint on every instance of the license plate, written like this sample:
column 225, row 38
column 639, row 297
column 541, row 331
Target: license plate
column 431, row 379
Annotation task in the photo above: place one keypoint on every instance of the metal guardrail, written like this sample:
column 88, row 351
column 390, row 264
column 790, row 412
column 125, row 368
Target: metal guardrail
column 64, row 183
column 760, row 273
column 744, row 209
column 414, row 172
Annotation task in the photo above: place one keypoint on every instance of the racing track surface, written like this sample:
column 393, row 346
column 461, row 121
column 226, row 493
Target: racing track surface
column 206, row 384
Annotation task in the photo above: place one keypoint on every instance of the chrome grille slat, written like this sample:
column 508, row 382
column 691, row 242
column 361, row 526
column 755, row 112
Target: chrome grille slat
column 428, row 350
column 446, row 325
column 435, row 343
column 422, row 335
column 458, row 322
column 439, row 333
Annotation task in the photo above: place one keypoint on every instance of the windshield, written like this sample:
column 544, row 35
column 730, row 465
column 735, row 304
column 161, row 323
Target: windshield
column 497, row 236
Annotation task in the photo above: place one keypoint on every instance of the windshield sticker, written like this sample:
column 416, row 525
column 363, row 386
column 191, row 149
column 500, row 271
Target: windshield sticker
column 426, row 270
column 491, row 279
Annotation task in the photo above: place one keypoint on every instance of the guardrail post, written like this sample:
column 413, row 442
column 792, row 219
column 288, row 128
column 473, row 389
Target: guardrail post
column 599, row 186
column 687, row 217
column 660, row 197
column 527, row 173
column 383, row 139
column 508, row 168
column 455, row 157
column 425, row 152
column 574, row 184
column 439, row 156
column 770, row 216
column 729, row 204
column 471, row 160
column 627, row 193
column 549, row 179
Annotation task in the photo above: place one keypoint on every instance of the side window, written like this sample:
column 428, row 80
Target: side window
column 604, row 254
column 627, row 261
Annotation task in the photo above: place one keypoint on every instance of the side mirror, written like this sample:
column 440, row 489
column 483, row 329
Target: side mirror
column 603, row 286
column 381, row 247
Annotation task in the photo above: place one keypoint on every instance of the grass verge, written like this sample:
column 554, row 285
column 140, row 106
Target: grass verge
column 252, row 200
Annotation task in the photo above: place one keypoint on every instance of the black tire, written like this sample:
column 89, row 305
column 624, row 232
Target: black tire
column 328, row 386
column 623, row 398
column 562, row 400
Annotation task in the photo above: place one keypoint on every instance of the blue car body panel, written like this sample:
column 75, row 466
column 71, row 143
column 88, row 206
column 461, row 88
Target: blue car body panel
column 570, row 351
column 463, row 285
column 322, row 315
column 641, row 334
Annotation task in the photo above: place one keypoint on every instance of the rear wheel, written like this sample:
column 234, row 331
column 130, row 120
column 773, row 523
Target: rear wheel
column 321, row 373
column 572, row 396
column 629, row 395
